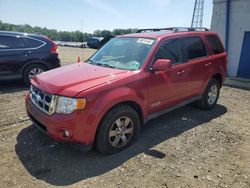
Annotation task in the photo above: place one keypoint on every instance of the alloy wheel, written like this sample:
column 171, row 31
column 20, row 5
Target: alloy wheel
column 35, row 72
column 212, row 94
column 121, row 132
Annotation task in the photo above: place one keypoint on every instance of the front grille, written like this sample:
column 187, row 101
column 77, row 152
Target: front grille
column 44, row 101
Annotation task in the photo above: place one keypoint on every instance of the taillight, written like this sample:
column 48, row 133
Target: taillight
column 54, row 49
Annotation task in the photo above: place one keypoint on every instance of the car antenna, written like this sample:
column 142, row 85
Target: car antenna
column 82, row 37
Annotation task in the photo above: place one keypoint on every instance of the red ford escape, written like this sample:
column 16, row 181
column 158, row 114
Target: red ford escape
column 130, row 80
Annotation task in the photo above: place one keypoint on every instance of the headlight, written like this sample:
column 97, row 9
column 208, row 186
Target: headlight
column 66, row 105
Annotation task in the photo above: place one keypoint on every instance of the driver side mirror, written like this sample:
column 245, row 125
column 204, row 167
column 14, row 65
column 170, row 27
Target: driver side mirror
column 162, row 65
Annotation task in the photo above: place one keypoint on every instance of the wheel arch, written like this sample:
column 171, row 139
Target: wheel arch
column 134, row 105
column 33, row 62
column 131, row 104
column 218, row 77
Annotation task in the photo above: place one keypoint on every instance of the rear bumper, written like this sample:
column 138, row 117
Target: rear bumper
column 52, row 61
column 81, row 125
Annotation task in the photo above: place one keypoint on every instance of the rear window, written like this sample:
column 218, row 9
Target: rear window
column 9, row 42
column 32, row 43
column 195, row 47
column 215, row 44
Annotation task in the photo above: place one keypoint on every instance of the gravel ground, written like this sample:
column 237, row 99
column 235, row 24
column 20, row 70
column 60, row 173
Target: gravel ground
column 184, row 148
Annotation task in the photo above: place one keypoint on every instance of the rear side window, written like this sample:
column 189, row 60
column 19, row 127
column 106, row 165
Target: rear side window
column 8, row 42
column 32, row 43
column 195, row 48
column 172, row 50
column 215, row 44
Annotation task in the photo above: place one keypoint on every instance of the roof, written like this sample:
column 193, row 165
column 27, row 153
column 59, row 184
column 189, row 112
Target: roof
column 18, row 33
column 167, row 32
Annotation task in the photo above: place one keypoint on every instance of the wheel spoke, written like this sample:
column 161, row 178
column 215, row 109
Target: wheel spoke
column 112, row 133
column 116, row 141
column 128, row 131
column 118, row 122
column 209, row 101
column 126, row 122
column 124, row 139
column 39, row 71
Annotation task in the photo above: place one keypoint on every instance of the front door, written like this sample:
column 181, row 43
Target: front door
column 12, row 53
column 165, row 88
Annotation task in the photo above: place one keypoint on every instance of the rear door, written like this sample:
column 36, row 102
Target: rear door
column 12, row 53
column 217, row 54
column 35, row 49
column 197, row 66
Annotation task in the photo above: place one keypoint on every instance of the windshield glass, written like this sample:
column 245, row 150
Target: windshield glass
column 123, row 53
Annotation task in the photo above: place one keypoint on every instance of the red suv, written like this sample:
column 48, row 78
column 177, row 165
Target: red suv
column 130, row 80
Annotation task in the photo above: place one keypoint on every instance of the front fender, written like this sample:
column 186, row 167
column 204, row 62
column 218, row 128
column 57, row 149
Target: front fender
column 119, row 95
column 112, row 98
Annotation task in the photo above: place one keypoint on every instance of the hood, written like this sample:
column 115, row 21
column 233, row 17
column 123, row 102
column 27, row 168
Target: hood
column 72, row 79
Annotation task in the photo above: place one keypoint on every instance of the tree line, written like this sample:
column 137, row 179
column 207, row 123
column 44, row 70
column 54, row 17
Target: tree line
column 70, row 36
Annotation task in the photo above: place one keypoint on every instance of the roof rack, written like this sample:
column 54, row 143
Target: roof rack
column 175, row 29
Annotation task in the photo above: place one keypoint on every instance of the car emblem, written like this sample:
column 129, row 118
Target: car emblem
column 38, row 97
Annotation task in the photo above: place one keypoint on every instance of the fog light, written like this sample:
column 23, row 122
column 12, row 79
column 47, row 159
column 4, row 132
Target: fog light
column 66, row 133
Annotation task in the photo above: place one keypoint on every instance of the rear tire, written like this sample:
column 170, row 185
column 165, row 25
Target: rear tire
column 32, row 70
column 210, row 95
column 118, row 130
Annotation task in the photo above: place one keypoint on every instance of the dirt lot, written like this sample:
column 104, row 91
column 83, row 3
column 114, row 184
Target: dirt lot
column 185, row 148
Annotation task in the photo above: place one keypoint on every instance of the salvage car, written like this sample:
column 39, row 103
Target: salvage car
column 132, row 79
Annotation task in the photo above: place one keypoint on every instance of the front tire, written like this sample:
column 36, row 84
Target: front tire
column 210, row 95
column 118, row 130
column 31, row 71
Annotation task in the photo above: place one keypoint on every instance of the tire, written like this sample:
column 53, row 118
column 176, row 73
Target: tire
column 210, row 95
column 32, row 70
column 118, row 130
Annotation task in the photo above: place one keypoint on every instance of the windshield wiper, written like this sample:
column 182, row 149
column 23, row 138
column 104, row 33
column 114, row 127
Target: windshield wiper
column 100, row 64
column 91, row 61
column 105, row 65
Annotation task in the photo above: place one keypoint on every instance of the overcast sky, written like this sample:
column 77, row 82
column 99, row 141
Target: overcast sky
column 66, row 15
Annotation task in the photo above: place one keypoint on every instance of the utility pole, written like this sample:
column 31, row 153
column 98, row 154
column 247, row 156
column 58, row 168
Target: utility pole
column 197, row 19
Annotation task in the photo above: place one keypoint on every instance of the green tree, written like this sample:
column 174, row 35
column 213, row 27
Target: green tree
column 97, row 33
column 76, row 36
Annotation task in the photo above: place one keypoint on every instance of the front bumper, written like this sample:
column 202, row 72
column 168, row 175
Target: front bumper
column 81, row 124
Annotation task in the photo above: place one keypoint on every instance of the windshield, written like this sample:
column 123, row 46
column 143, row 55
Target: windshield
column 123, row 53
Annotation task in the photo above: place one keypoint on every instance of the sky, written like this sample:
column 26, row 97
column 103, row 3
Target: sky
column 91, row 15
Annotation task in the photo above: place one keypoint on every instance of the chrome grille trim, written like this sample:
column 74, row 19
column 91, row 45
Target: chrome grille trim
column 43, row 101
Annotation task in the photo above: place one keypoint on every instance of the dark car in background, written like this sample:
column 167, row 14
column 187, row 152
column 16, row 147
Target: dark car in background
column 24, row 55
column 98, row 42
column 94, row 42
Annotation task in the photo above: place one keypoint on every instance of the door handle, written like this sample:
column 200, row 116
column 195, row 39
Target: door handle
column 208, row 64
column 180, row 72
column 27, row 53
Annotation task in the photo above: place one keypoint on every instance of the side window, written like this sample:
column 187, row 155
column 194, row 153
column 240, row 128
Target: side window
column 215, row 43
column 171, row 49
column 195, row 48
column 31, row 43
column 8, row 42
